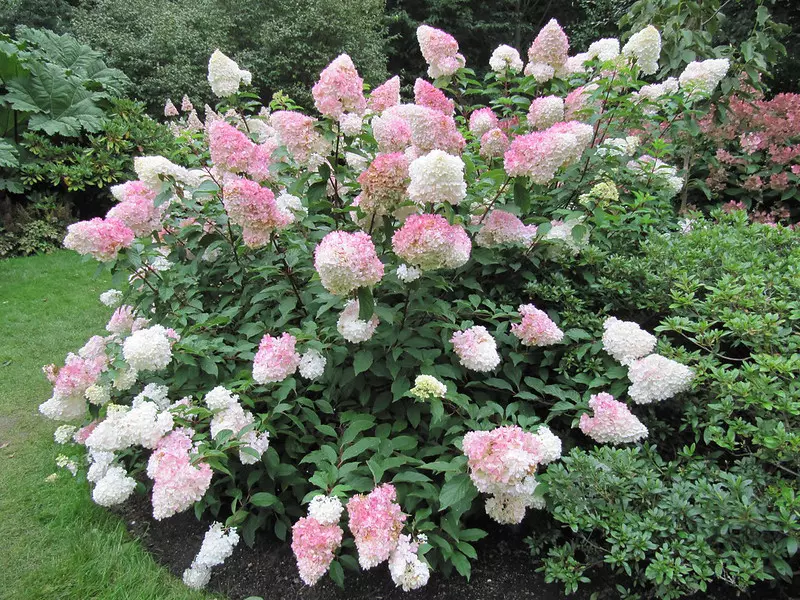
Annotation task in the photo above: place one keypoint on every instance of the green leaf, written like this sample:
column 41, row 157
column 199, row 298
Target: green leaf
column 264, row 499
column 362, row 361
column 459, row 488
column 337, row 573
column 366, row 304
column 359, row 447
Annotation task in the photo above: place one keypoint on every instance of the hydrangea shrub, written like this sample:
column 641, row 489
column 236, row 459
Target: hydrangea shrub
column 326, row 333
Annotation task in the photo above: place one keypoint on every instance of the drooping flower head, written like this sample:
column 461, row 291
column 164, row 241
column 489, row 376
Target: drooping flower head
column 626, row 341
column 426, row 94
column 314, row 544
column 644, row 47
column 218, row 545
column 612, row 422
column 224, row 75
column 437, row 177
column 536, row 328
column 385, row 95
column 505, row 58
column 476, row 348
column 100, row 238
column 502, row 227
column 440, row 51
column 655, row 378
column 551, row 46
column 376, row 521
column 346, row 261
column 339, row 89
column 407, row 570
column 276, row 358
column 354, row 329
column 430, row 242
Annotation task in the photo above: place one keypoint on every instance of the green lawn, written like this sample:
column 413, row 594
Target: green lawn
column 54, row 542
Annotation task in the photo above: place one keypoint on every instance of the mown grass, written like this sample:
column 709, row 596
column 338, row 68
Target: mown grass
column 54, row 543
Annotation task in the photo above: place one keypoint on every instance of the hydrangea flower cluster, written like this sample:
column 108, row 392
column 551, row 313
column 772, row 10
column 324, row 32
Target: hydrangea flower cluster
column 408, row 571
column 612, row 422
column 546, row 111
column 494, row 143
column 540, row 154
column 384, row 183
column 385, row 95
column 148, row 349
column 476, row 348
column 430, row 242
column 70, row 383
column 276, row 358
column 217, row 547
column 136, row 207
column 312, row 364
column 501, row 227
column 254, row 209
column 655, row 378
column 231, row 150
column 339, row 89
column 229, row 415
column 437, row 177
column 704, row 76
column 347, row 261
column 440, row 51
column 114, row 487
column 111, row 298
column 482, row 121
column 100, row 238
column 536, row 328
column 376, row 521
column 644, row 48
column 141, row 424
column 296, row 131
column 548, row 52
column 426, row 94
column 625, row 341
column 225, row 76
column 427, row 387
column 505, row 58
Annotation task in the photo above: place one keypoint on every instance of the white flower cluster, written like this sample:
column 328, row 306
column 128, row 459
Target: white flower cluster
column 99, row 462
column 654, row 91
column 407, row 274
column 140, row 425
column 427, row 387
column 551, row 445
column 155, row 392
column 111, row 298
column 64, row 433
column 604, row 49
column 562, row 232
column 619, row 146
column 405, row 567
column 656, row 172
column 327, row 510
column 510, row 509
column 505, row 57
column 312, row 364
column 625, row 341
column 152, row 169
column 148, row 349
column 124, row 379
column 114, row 488
column 351, row 124
column 704, row 76
column 542, row 72
column 437, row 177
column 224, row 75
column 291, row 205
column 229, row 415
column 352, row 328
column 645, row 48
column 65, row 462
column 546, row 111
column 656, row 378
column 218, row 545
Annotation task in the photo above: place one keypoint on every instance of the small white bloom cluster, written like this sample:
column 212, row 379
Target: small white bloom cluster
column 148, row 349
column 427, row 387
column 562, row 232
column 111, row 298
column 476, row 349
column 408, row 571
column 655, row 378
column 99, row 462
column 704, row 76
column 437, row 177
column 645, row 48
column 352, row 328
column 510, row 509
column 312, row 364
column 224, row 75
column 218, row 545
column 625, row 341
column 142, row 424
column 64, row 433
column 407, row 274
column 604, row 49
column 65, row 462
column 656, row 172
column 505, row 57
column 291, row 205
column 155, row 392
column 619, row 146
column 151, row 169
column 114, row 488
column 124, row 380
column 551, row 445
column 356, row 161
column 229, row 415
column 654, row 91
column 351, row 124
column 327, row 510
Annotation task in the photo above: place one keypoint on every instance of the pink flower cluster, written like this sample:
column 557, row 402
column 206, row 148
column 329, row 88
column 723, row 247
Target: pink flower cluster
column 70, row 383
column 430, row 242
column 502, row 227
column 254, row 209
column 540, row 154
column 550, row 48
column 339, row 89
column 137, row 207
column 546, row 111
column 426, row 94
column 276, row 358
column 536, row 328
column 482, row 121
column 346, row 261
column 385, row 95
column 231, row 150
column 376, row 521
column 314, row 545
column 423, row 127
column 494, row 143
column 612, row 422
column 440, row 51
column 384, row 183
column 177, row 483
column 296, row 131
column 476, row 348
column 101, row 238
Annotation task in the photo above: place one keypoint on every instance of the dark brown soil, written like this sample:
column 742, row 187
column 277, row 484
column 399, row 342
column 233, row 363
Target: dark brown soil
column 505, row 569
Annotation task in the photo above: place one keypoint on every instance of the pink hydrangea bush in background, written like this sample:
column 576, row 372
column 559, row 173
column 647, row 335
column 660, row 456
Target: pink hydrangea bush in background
column 290, row 284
